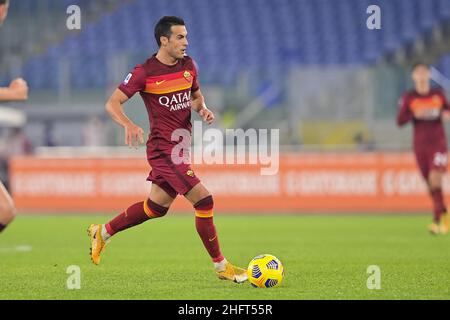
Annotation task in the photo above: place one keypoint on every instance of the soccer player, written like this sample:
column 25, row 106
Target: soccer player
column 17, row 90
column 424, row 106
column 168, row 85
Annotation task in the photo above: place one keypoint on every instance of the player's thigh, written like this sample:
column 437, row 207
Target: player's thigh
column 7, row 208
column 423, row 163
column 160, row 196
column 177, row 178
column 197, row 193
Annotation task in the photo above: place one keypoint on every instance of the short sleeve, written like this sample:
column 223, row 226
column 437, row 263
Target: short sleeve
column 195, row 84
column 134, row 81
column 402, row 103
column 404, row 114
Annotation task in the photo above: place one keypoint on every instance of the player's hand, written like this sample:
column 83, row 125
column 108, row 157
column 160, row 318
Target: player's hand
column 134, row 135
column 20, row 88
column 206, row 115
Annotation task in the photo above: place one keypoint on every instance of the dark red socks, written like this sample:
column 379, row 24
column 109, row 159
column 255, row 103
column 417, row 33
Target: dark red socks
column 135, row 215
column 206, row 229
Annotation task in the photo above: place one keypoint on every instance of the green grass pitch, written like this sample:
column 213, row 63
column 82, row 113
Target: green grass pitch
column 325, row 257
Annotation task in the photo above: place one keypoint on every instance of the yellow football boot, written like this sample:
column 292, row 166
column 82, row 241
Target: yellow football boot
column 443, row 225
column 434, row 228
column 97, row 242
column 232, row 273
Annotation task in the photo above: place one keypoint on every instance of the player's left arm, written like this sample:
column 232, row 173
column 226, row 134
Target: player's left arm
column 446, row 107
column 198, row 104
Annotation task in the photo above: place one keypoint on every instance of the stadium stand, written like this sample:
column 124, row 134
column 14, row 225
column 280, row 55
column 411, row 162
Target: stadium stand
column 264, row 37
column 263, row 49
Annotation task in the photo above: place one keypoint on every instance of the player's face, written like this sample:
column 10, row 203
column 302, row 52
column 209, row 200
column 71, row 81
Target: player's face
column 421, row 74
column 177, row 43
column 3, row 12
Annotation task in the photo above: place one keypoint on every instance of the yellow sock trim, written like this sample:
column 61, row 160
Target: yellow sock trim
column 149, row 212
column 204, row 214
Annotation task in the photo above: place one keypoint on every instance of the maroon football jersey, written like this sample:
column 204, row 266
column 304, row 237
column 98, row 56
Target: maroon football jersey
column 425, row 112
column 166, row 91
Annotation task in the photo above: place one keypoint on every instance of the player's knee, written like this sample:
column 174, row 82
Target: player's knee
column 155, row 210
column 435, row 183
column 8, row 211
column 204, row 207
column 434, row 187
column 206, row 202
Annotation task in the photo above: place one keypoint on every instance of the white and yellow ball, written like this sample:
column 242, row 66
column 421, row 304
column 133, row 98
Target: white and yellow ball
column 265, row 271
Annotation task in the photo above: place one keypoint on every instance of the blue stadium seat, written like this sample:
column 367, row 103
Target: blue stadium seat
column 228, row 37
column 444, row 66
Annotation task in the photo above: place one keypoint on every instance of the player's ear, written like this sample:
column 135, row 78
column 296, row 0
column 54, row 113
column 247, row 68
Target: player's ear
column 164, row 40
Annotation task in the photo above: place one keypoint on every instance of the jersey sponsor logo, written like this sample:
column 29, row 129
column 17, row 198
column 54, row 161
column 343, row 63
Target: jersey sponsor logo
column 128, row 78
column 178, row 101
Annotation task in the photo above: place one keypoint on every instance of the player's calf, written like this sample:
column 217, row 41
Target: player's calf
column 207, row 231
column 205, row 227
column 133, row 216
column 439, row 207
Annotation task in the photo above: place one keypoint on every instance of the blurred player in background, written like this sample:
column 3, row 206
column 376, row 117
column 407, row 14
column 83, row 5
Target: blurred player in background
column 424, row 106
column 168, row 85
column 16, row 91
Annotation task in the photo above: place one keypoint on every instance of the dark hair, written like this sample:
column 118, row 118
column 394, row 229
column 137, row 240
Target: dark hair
column 420, row 64
column 162, row 28
column 4, row 2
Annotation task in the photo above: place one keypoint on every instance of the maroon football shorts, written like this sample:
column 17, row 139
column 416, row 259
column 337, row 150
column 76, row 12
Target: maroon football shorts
column 428, row 160
column 172, row 178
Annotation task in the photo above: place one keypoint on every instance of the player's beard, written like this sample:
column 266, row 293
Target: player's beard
column 181, row 53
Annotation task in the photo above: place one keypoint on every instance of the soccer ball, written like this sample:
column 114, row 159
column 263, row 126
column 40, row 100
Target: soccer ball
column 265, row 271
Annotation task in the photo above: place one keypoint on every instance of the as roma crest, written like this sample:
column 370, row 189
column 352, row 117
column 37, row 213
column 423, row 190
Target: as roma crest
column 187, row 75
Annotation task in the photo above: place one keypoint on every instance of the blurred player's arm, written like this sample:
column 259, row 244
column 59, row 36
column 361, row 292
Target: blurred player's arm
column 114, row 106
column 404, row 113
column 446, row 111
column 198, row 104
column 17, row 91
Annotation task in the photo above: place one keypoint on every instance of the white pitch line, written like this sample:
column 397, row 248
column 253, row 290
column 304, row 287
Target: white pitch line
column 19, row 248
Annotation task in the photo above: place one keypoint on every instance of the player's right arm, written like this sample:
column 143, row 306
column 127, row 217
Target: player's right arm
column 404, row 114
column 133, row 133
column 17, row 91
column 134, row 82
